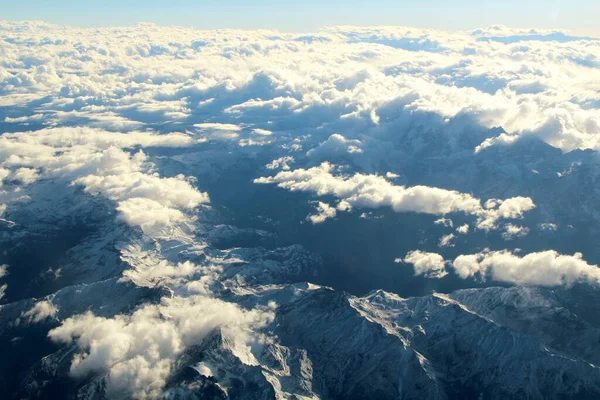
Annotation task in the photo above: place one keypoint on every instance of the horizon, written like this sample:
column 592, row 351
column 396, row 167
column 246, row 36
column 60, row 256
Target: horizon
column 578, row 17
column 532, row 30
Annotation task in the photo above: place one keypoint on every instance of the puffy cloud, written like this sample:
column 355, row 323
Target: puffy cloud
column 514, row 231
column 150, row 215
column 281, row 162
column 373, row 191
column 325, row 211
column 545, row 268
column 513, row 208
column 144, row 199
column 3, row 273
column 447, row 222
column 40, row 311
column 463, row 229
column 4, row 173
column 335, row 146
column 26, row 175
column 137, row 351
column 96, row 160
column 119, row 177
column 431, row 265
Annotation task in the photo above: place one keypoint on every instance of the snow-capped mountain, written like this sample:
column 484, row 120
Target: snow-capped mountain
column 357, row 213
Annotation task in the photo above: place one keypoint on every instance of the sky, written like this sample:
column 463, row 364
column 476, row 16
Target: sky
column 579, row 16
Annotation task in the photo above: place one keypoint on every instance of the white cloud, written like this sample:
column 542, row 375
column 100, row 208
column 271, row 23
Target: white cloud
column 325, row 211
column 262, row 132
column 446, row 240
column 26, row 175
column 205, row 369
column 96, row 160
column 40, row 311
column 218, row 126
column 3, row 270
column 150, row 215
column 3, row 290
column 4, row 173
column 281, row 162
column 504, row 139
column 545, row 268
column 513, row 208
column 463, row 229
column 514, row 231
column 85, row 137
column 137, row 351
column 430, row 265
column 373, row 191
column 335, row 146
column 447, row 222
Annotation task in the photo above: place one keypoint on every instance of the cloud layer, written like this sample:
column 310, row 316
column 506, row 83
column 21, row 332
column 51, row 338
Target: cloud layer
column 529, row 82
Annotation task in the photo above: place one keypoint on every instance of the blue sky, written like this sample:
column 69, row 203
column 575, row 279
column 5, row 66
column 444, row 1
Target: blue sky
column 581, row 16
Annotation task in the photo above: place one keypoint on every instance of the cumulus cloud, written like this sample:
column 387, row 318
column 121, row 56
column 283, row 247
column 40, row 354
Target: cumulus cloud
column 3, row 273
column 463, row 229
column 447, row 222
column 26, row 175
column 373, row 191
column 281, row 162
column 149, row 214
column 430, row 265
column 96, row 160
column 137, row 351
column 335, row 146
column 325, row 211
column 513, row 208
column 514, row 231
column 40, row 311
column 545, row 268
column 4, row 173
